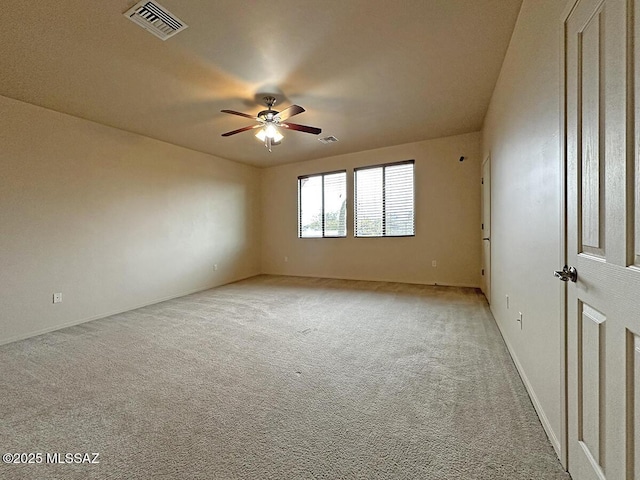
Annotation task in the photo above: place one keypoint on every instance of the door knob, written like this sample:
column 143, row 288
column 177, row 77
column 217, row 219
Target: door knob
column 567, row 273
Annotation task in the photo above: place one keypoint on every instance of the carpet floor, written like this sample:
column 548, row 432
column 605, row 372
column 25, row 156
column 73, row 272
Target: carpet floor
column 277, row 378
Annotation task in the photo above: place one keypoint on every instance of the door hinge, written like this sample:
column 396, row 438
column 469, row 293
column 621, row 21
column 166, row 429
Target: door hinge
column 482, row 181
column 483, row 226
column 483, row 272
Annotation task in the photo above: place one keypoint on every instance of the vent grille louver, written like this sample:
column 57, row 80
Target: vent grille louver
column 155, row 19
column 329, row 139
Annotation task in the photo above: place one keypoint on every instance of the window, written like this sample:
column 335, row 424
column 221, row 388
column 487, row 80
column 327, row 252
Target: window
column 322, row 205
column 384, row 200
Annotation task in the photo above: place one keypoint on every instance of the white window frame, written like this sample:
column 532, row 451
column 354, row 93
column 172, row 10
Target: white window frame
column 322, row 215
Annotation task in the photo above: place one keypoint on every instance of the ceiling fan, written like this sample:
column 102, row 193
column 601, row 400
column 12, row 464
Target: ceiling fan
column 270, row 121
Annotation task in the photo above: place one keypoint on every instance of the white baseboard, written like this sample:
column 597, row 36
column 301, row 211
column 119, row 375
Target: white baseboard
column 60, row 326
column 534, row 398
column 367, row 279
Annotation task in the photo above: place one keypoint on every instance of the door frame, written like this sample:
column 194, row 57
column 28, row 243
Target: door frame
column 486, row 281
column 563, row 259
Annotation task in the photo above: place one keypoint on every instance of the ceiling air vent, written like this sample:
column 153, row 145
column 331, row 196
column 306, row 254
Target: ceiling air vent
column 155, row 19
column 329, row 139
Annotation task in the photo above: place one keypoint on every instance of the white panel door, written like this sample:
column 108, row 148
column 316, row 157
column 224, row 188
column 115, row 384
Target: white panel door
column 603, row 305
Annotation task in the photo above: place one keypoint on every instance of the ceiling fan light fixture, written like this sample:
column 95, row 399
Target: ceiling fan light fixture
column 269, row 131
column 270, row 121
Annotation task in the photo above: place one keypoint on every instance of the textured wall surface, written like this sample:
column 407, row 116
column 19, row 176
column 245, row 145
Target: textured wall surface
column 522, row 136
column 112, row 220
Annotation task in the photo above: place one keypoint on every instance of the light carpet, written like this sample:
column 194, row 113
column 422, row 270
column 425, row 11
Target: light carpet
column 278, row 378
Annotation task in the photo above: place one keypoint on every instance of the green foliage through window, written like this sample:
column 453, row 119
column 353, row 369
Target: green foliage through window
column 322, row 205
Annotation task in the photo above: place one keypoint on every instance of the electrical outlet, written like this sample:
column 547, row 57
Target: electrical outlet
column 507, row 301
column 519, row 319
column 286, row 259
column 215, row 266
column 57, row 298
column 434, row 263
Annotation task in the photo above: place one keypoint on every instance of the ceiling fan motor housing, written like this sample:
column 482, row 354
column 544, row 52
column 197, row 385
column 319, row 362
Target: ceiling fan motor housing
column 267, row 115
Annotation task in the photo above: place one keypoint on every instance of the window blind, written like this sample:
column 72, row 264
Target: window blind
column 384, row 200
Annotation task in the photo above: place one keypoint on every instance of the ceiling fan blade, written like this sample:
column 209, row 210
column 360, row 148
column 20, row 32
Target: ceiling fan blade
column 302, row 128
column 244, row 129
column 233, row 112
column 289, row 112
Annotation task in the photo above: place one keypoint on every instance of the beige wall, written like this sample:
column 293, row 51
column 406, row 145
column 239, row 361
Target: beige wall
column 111, row 219
column 447, row 219
column 522, row 134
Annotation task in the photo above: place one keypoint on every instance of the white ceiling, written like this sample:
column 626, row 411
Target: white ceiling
column 373, row 73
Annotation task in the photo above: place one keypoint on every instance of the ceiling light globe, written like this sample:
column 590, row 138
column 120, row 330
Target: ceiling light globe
column 271, row 132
